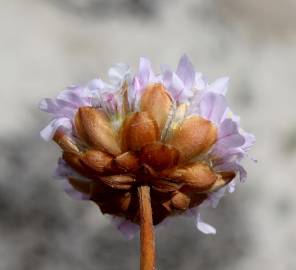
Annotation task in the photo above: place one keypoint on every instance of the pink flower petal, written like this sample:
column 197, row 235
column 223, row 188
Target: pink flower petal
column 229, row 136
column 213, row 107
column 145, row 74
column 219, row 86
column 249, row 140
column 73, row 193
column 118, row 73
column 63, row 170
column 186, row 72
column 48, row 132
column 48, row 105
column 127, row 228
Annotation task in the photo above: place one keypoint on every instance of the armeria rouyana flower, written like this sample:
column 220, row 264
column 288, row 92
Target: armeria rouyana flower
column 169, row 137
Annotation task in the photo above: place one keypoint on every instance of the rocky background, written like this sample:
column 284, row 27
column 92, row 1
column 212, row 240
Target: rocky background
column 49, row 44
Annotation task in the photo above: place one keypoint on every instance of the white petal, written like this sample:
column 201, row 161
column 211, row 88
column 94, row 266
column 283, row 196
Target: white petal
column 118, row 73
column 231, row 186
column 204, row 227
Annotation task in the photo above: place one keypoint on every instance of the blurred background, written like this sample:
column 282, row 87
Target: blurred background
column 49, row 44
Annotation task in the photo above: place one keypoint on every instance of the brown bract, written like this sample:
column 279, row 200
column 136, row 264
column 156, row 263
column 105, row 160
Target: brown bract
column 159, row 156
column 137, row 130
column 97, row 160
column 193, row 136
column 153, row 98
column 94, row 127
column 196, row 176
column 112, row 164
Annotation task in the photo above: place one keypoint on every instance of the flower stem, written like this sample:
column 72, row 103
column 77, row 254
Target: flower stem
column 147, row 261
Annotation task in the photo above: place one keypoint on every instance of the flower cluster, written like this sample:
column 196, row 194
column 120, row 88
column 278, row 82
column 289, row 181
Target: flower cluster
column 172, row 131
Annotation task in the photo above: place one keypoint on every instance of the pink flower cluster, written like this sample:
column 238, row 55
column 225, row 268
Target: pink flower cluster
column 187, row 87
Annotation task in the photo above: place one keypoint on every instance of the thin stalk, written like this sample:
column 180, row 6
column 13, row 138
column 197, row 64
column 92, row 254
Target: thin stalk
column 147, row 261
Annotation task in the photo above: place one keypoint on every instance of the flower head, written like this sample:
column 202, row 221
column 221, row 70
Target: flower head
column 172, row 131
